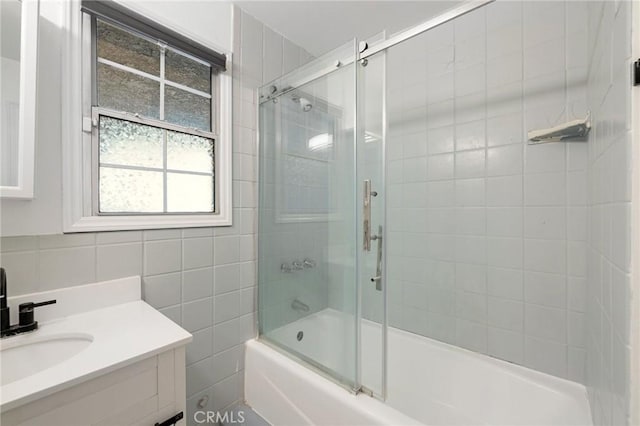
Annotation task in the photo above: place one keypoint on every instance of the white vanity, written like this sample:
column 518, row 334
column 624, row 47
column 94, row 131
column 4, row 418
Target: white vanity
column 101, row 356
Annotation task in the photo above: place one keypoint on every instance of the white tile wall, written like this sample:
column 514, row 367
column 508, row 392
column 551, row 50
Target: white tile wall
column 487, row 235
column 178, row 278
column 607, row 316
column 202, row 278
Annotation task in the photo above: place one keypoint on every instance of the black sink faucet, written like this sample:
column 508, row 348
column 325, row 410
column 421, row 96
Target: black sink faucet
column 26, row 317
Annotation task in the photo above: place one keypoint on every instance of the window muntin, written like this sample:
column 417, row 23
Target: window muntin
column 155, row 143
column 122, row 47
column 147, row 169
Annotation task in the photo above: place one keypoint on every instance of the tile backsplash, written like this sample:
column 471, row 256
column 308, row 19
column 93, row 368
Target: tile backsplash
column 201, row 278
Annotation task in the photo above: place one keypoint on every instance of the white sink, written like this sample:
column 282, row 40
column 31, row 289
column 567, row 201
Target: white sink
column 93, row 329
column 23, row 356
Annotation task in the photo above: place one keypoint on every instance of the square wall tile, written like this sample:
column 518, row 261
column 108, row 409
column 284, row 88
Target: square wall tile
column 227, row 363
column 505, row 314
column 197, row 284
column 504, row 221
column 21, row 271
column 226, row 306
column 65, row 267
column 504, row 191
column 470, row 164
column 545, row 189
column 546, row 323
column 470, row 192
column 546, row 356
column 118, row 261
column 504, row 160
column 162, row 290
column 545, row 256
column 506, row 345
column 545, row 223
column 200, row 347
column 471, row 335
column 545, row 289
column 162, row 256
column 199, row 376
column 226, row 250
column 227, row 392
column 504, row 252
column 505, row 283
column 198, row 314
column 197, row 252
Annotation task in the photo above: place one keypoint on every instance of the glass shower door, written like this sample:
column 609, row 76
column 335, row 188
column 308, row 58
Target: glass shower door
column 307, row 269
column 371, row 234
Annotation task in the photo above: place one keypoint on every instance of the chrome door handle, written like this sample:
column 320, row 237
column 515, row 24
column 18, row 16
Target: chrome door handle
column 366, row 220
column 378, row 278
column 366, row 210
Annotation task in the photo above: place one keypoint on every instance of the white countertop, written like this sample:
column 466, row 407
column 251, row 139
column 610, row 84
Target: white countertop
column 123, row 334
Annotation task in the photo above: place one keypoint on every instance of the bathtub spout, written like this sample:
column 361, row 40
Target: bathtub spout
column 299, row 306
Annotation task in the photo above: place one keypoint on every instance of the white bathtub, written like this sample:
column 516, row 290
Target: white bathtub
column 429, row 383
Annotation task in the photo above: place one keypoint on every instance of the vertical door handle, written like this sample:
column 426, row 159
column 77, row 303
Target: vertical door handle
column 366, row 220
column 378, row 278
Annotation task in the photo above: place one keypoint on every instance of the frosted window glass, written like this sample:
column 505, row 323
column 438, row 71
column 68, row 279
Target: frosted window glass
column 182, row 70
column 127, row 49
column 188, row 152
column 189, row 193
column 126, row 143
column 187, row 109
column 124, row 91
column 123, row 191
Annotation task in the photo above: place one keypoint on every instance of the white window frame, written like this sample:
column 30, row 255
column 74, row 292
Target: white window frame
column 78, row 161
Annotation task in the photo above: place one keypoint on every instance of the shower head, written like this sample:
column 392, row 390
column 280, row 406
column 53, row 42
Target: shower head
column 304, row 103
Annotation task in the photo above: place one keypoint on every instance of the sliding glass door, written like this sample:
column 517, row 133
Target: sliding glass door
column 308, row 255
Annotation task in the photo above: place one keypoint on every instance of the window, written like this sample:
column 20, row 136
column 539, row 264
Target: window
column 156, row 118
column 153, row 114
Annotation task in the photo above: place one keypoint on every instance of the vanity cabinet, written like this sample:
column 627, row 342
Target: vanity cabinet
column 148, row 391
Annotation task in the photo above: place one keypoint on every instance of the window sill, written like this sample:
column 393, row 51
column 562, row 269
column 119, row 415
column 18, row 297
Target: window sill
column 138, row 222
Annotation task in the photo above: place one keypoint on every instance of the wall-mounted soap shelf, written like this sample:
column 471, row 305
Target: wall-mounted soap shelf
column 571, row 130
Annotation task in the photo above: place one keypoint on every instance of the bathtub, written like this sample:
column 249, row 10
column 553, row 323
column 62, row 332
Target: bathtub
column 429, row 383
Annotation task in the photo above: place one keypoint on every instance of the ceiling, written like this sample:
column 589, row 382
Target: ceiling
column 319, row 25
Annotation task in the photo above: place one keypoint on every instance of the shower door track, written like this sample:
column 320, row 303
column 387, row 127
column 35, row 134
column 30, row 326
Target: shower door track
column 443, row 18
column 366, row 391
